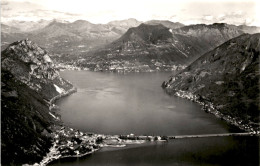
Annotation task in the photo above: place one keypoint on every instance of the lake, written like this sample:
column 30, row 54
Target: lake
column 118, row 103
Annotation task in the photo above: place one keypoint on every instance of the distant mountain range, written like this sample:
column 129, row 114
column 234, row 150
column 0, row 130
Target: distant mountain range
column 27, row 26
column 156, row 47
column 227, row 77
column 222, row 71
column 149, row 46
column 65, row 37
column 166, row 23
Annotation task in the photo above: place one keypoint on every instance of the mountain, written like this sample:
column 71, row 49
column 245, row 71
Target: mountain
column 81, row 28
column 32, row 65
column 156, row 47
column 121, row 26
column 9, row 29
column 69, row 41
column 10, row 34
column 128, row 23
column 227, row 79
column 166, row 23
column 212, row 35
column 249, row 29
column 145, row 34
column 29, row 85
column 58, row 37
column 27, row 26
column 73, row 38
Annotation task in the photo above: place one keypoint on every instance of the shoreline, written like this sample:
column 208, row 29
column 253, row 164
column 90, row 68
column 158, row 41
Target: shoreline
column 52, row 101
column 58, row 147
column 52, row 106
column 63, row 157
column 123, row 69
column 123, row 140
column 209, row 107
column 71, row 143
column 68, row 92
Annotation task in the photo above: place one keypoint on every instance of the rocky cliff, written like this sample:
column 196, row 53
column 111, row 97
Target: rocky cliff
column 32, row 65
column 29, row 82
column 227, row 78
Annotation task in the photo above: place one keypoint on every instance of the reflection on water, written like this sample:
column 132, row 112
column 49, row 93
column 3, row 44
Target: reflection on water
column 228, row 151
column 112, row 103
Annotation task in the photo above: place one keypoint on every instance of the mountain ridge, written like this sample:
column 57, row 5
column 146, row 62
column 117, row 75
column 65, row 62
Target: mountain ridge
column 156, row 47
column 228, row 77
column 29, row 84
column 166, row 23
column 79, row 37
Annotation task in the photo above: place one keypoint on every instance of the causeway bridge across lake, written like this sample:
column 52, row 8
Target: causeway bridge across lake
column 210, row 135
column 142, row 137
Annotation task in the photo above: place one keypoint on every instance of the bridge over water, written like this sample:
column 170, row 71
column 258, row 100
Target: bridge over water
column 210, row 135
column 133, row 137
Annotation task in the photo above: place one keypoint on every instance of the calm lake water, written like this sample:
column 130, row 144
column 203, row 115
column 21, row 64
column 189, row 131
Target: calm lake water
column 112, row 103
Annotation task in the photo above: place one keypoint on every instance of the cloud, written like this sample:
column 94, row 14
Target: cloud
column 6, row 8
column 102, row 11
column 37, row 14
column 173, row 16
column 50, row 12
column 4, row 3
column 220, row 16
column 238, row 13
column 208, row 17
column 234, row 17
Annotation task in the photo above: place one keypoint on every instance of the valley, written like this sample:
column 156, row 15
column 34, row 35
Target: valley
column 94, row 88
column 146, row 104
column 126, row 45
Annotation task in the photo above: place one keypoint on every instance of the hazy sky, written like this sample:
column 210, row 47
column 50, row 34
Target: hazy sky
column 103, row 11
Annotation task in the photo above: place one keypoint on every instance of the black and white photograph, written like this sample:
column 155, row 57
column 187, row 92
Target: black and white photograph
column 130, row 82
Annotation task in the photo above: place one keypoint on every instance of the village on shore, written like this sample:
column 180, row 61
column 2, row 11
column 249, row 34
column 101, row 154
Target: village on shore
column 69, row 142
column 121, row 66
